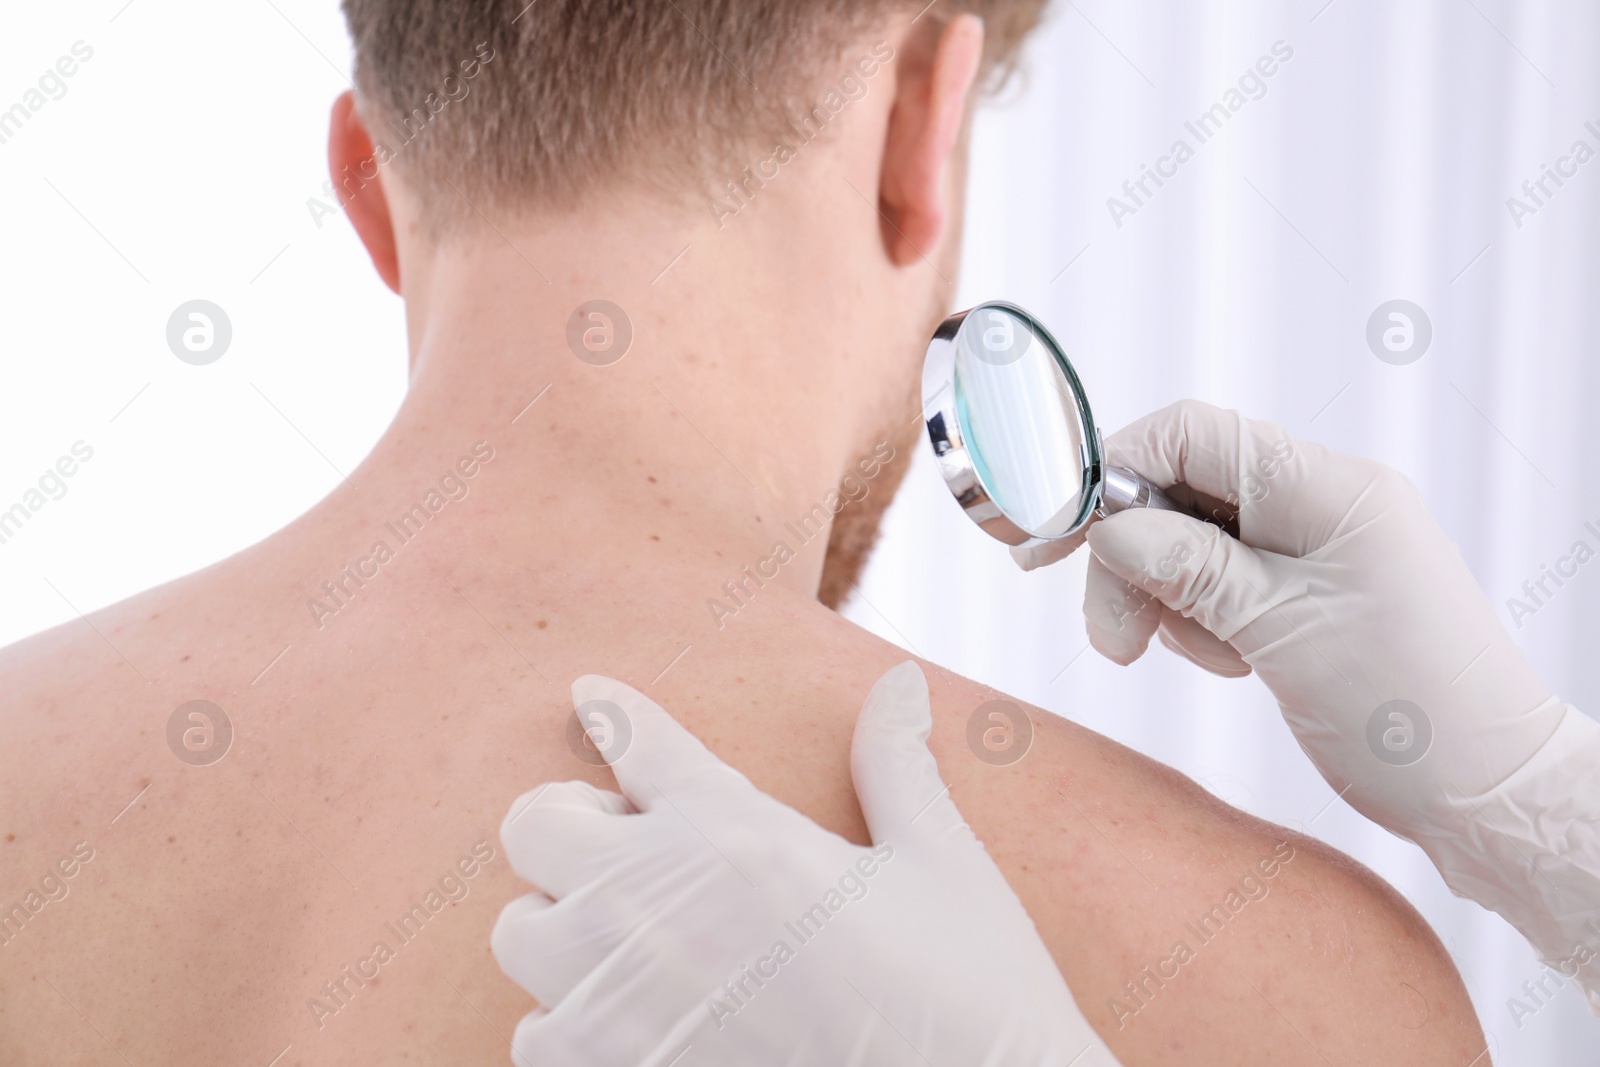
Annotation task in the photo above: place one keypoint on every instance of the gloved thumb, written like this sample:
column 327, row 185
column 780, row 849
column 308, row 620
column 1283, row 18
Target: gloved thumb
column 1036, row 554
column 897, row 781
column 1190, row 566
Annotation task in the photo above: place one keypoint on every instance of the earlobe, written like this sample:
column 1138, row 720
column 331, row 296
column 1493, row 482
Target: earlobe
column 924, row 131
column 355, row 167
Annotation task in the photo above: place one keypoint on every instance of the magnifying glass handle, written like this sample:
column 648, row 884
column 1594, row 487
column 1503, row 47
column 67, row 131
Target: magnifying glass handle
column 1123, row 489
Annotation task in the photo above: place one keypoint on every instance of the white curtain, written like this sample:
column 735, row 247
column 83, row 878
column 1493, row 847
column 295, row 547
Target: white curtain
column 1375, row 163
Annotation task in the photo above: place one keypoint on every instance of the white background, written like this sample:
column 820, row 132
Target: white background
column 1376, row 166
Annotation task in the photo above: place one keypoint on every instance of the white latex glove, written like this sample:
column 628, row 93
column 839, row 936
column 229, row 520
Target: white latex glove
column 1343, row 595
column 698, row 921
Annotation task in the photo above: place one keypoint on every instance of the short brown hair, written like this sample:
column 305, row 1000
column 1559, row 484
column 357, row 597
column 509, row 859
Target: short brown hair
column 512, row 104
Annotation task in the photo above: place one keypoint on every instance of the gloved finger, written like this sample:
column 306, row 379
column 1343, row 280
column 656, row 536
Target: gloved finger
column 540, row 1041
column 566, row 834
column 514, row 952
column 1120, row 618
column 1032, row 557
column 525, row 1040
column 1246, row 463
column 641, row 1005
column 1190, row 566
column 548, row 947
column 659, row 761
column 1200, row 646
column 568, row 794
column 542, row 1038
column 897, row 781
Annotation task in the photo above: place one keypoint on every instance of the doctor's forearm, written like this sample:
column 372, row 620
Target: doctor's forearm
column 1530, row 850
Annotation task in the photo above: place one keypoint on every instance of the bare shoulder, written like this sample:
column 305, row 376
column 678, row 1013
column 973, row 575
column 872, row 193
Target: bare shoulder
column 63, row 685
column 56, row 685
column 1188, row 930
column 86, row 704
column 1183, row 923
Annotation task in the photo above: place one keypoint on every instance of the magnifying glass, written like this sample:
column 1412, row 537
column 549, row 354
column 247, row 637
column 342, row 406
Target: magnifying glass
column 1013, row 434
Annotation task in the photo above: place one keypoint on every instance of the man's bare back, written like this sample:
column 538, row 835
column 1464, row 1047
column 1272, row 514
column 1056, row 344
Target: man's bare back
column 233, row 910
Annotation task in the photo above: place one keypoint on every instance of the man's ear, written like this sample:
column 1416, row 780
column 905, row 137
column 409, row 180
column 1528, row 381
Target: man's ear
column 353, row 162
column 924, row 128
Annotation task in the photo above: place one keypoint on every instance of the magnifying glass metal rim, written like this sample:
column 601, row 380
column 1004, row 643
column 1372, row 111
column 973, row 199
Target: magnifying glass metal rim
column 1108, row 489
column 961, row 474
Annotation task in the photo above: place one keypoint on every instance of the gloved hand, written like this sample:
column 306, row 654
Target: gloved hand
column 1387, row 661
column 698, row 921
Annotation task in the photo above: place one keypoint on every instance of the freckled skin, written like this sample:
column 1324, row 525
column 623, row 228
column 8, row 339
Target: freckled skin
column 224, row 898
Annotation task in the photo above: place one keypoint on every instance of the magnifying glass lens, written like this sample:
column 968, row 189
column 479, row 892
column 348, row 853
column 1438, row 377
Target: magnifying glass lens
column 1021, row 427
